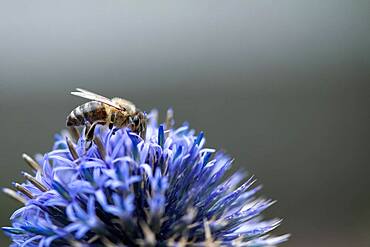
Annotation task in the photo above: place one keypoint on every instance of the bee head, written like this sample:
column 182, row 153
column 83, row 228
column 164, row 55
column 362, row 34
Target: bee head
column 138, row 122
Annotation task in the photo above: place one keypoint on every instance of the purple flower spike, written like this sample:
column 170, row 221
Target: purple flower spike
column 166, row 190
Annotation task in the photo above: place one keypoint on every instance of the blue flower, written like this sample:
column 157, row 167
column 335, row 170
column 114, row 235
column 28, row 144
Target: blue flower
column 166, row 190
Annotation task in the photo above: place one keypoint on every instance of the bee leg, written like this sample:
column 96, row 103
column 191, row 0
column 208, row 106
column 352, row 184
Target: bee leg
column 90, row 132
column 87, row 127
column 110, row 126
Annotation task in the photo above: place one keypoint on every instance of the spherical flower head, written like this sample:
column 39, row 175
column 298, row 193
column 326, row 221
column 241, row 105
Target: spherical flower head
column 121, row 190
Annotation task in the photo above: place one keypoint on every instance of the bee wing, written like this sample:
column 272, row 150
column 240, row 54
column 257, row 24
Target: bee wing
column 93, row 96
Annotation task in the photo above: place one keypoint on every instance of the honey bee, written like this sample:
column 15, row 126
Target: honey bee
column 115, row 112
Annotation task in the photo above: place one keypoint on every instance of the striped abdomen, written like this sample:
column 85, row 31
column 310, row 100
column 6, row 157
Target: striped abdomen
column 89, row 112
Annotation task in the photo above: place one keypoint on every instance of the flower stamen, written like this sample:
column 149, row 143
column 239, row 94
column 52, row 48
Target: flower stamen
column 100, row 146
column 23, row 190
column 74, row 133
column 72, row 149
column 11, row 193
column 31, row 162
column 33, row 181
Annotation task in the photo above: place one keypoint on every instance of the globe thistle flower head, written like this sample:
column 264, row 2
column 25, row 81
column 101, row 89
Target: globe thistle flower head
column 121, row 190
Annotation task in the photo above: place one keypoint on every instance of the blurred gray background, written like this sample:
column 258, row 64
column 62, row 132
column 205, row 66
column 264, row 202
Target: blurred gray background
column 281, row 85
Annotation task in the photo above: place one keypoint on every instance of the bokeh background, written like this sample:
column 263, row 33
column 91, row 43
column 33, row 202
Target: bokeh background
column 281, row 85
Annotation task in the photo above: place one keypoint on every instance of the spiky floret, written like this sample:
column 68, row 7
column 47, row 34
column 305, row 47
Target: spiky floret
column 167, row 190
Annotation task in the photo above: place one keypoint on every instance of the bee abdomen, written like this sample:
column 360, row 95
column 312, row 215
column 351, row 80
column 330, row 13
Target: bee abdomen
column 89, row 112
